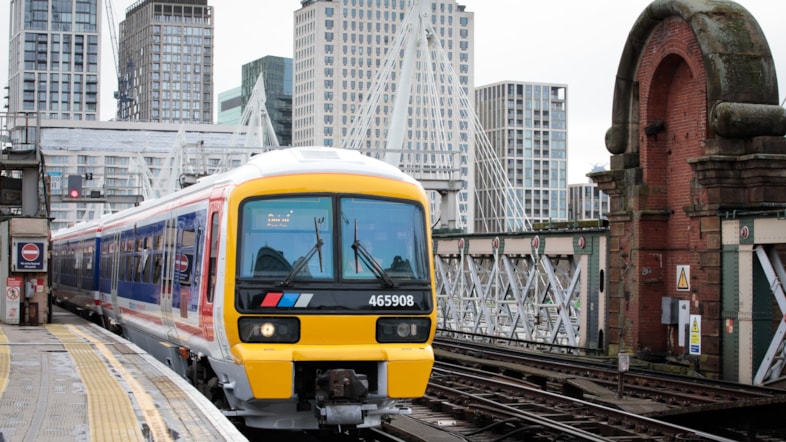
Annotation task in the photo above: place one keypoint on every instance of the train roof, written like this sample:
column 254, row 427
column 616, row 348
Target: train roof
column 317, row 160
column 80, row 228
column 299, row 160
column 287, row 161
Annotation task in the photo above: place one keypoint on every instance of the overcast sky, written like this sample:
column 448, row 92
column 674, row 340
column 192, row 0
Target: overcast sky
column 573, row 42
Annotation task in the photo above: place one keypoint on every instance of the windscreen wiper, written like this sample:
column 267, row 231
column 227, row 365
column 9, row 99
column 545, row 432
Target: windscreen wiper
column 368, row 259
column 316, row 248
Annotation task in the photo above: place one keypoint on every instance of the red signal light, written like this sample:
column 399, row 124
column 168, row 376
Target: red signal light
column 74, row 186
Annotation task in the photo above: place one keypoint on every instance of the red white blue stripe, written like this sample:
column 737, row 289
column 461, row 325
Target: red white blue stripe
column 286, row 300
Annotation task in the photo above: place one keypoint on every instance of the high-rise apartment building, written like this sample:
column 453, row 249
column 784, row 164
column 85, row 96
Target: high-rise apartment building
column 54, row 55
column 166, row 62
column 527, row 125
column 339, row 49
column 587, row 202
column 277, row 75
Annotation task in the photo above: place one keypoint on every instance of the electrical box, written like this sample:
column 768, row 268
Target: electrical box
column 669, row 310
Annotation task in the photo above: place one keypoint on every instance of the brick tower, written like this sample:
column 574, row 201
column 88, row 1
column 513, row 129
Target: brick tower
column 696, row 131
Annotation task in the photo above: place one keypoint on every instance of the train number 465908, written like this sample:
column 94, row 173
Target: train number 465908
column 392, row 301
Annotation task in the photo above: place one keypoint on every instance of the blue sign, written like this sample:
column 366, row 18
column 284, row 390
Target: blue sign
column 30, row 256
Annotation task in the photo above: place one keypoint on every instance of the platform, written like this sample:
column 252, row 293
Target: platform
column 74, row 381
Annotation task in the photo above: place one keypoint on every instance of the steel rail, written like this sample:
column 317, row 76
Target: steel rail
column 453, row 382
column 670, row 389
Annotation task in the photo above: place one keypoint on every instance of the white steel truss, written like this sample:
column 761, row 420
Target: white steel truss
column 429, row 90
column 532, row 298
column 188, row 162
column 256, row 120
column 255, row 128
column 774, row 360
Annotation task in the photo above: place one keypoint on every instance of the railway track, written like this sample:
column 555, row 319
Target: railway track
column 482, row 393
column 467, row 404
column 726, row 409
column 552, row 371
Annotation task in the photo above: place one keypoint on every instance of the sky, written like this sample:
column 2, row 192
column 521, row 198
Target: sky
column 572, row 42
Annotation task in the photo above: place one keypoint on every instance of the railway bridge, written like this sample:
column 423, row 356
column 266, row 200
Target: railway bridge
column 688, row 266
column 548, row 289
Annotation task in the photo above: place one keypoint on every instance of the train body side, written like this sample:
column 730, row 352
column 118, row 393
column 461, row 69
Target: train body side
column 147, row 275
column 74, row 278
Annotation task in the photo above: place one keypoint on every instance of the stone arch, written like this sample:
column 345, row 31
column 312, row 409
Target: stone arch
column 735, row 56
column 666, row 143
column 696, row 132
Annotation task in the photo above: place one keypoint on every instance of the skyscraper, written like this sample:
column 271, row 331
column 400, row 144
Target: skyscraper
column 339, row 49
column 528, row 126
column 166, row 62
column 54, row 56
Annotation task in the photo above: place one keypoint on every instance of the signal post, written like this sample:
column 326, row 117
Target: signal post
column 26, row 270
column 25, row 298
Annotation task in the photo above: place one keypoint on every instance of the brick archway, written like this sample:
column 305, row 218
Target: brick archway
column 695, row 90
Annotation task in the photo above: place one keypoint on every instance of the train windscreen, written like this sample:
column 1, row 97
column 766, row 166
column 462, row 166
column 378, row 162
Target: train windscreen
column 332, row 253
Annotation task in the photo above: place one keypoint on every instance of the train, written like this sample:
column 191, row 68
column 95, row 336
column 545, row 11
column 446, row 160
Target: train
column 295, row 291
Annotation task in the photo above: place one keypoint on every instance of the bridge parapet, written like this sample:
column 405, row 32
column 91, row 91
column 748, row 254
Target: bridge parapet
column 544, row 288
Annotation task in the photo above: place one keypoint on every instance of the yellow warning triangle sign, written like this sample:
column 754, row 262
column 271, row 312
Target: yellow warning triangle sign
column 695, row 327
column 682, row 281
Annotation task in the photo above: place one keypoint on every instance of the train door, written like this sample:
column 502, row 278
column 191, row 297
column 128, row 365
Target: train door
column 208, row 282
column 190, row 234
column 168, row 277
column 114, row 251
column 78, row 268
column 212, row 305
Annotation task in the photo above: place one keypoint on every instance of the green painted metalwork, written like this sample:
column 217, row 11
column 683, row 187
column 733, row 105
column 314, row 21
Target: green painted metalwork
column 730, row 341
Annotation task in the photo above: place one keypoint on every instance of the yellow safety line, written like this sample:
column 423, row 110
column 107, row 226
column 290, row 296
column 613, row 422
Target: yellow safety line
column 111, row 415
column 5, row 361
column 155, row 422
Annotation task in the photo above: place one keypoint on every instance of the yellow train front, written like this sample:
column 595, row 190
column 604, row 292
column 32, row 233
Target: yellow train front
column 328, row 301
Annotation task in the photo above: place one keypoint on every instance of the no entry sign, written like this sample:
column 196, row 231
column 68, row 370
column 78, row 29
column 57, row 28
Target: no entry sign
column 29, row 255
column 31, row 252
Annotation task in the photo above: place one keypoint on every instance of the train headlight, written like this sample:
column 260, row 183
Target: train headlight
column 403, row 329
column 261, row 329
